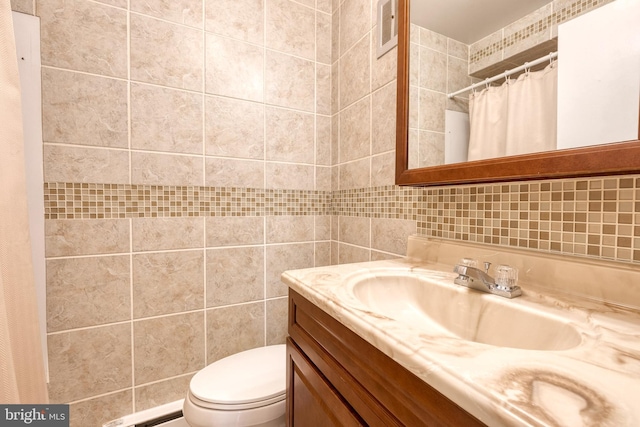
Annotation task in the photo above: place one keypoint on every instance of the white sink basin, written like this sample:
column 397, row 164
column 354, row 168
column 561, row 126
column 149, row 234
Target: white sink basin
column 423, row 301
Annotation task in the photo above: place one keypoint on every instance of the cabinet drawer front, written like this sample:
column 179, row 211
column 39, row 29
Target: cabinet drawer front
column 380, row 390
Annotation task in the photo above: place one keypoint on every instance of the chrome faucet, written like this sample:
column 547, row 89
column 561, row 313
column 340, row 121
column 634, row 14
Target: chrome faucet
column 474, row 278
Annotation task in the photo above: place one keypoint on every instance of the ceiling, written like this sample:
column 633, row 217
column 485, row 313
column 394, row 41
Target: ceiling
column 470, row 20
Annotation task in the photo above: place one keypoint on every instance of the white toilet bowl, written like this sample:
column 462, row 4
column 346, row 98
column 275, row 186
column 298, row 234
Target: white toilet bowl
column 246, row 389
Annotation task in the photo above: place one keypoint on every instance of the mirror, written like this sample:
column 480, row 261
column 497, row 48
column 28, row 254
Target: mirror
column 611, row 157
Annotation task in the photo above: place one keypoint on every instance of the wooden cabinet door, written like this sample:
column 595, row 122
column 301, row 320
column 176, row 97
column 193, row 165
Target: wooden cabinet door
column 340, row 379
column 311, row 400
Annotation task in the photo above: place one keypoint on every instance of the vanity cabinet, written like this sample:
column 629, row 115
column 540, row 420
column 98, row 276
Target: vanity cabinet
column 336, row 378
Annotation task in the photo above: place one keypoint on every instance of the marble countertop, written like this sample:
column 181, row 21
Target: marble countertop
column 596, row 383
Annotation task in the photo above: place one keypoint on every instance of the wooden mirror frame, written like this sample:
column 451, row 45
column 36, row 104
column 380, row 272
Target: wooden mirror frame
column 607, row 159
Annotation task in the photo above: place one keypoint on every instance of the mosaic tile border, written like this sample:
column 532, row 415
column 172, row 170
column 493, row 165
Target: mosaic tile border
column 566, row 13
column 597, row 218
column 64, row 200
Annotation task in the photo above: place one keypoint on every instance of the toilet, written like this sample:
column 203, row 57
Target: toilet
column 245, row 389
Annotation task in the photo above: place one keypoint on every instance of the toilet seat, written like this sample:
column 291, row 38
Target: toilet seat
column 245, row 380
column 235, row 407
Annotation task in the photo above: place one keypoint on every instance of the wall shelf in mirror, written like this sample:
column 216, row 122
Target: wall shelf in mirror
column 612, row 157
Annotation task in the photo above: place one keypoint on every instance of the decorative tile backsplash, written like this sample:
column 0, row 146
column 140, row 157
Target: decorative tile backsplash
column 112, row 201
column 587, row 217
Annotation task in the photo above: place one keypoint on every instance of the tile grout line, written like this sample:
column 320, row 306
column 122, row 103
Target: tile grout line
column 130, row 221
column 204, row 178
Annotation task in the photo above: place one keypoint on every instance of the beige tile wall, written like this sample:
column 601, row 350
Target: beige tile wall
column 438, row 66
column 363, row 93
column 151, row 200
column 155, row 299
column 187, row 164
column 363, row 97
column 23, row 6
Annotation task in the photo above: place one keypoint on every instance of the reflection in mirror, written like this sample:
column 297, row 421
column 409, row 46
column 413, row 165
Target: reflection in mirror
column 441, row 40
column 443, row 59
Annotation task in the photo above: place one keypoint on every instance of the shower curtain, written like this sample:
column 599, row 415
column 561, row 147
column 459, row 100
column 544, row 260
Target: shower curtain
column 518, row 117
column 22, row 374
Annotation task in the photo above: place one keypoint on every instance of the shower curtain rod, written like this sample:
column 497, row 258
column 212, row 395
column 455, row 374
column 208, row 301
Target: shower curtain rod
column 506, row 74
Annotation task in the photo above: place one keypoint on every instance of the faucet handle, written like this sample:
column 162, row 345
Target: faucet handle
column 506, row 276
